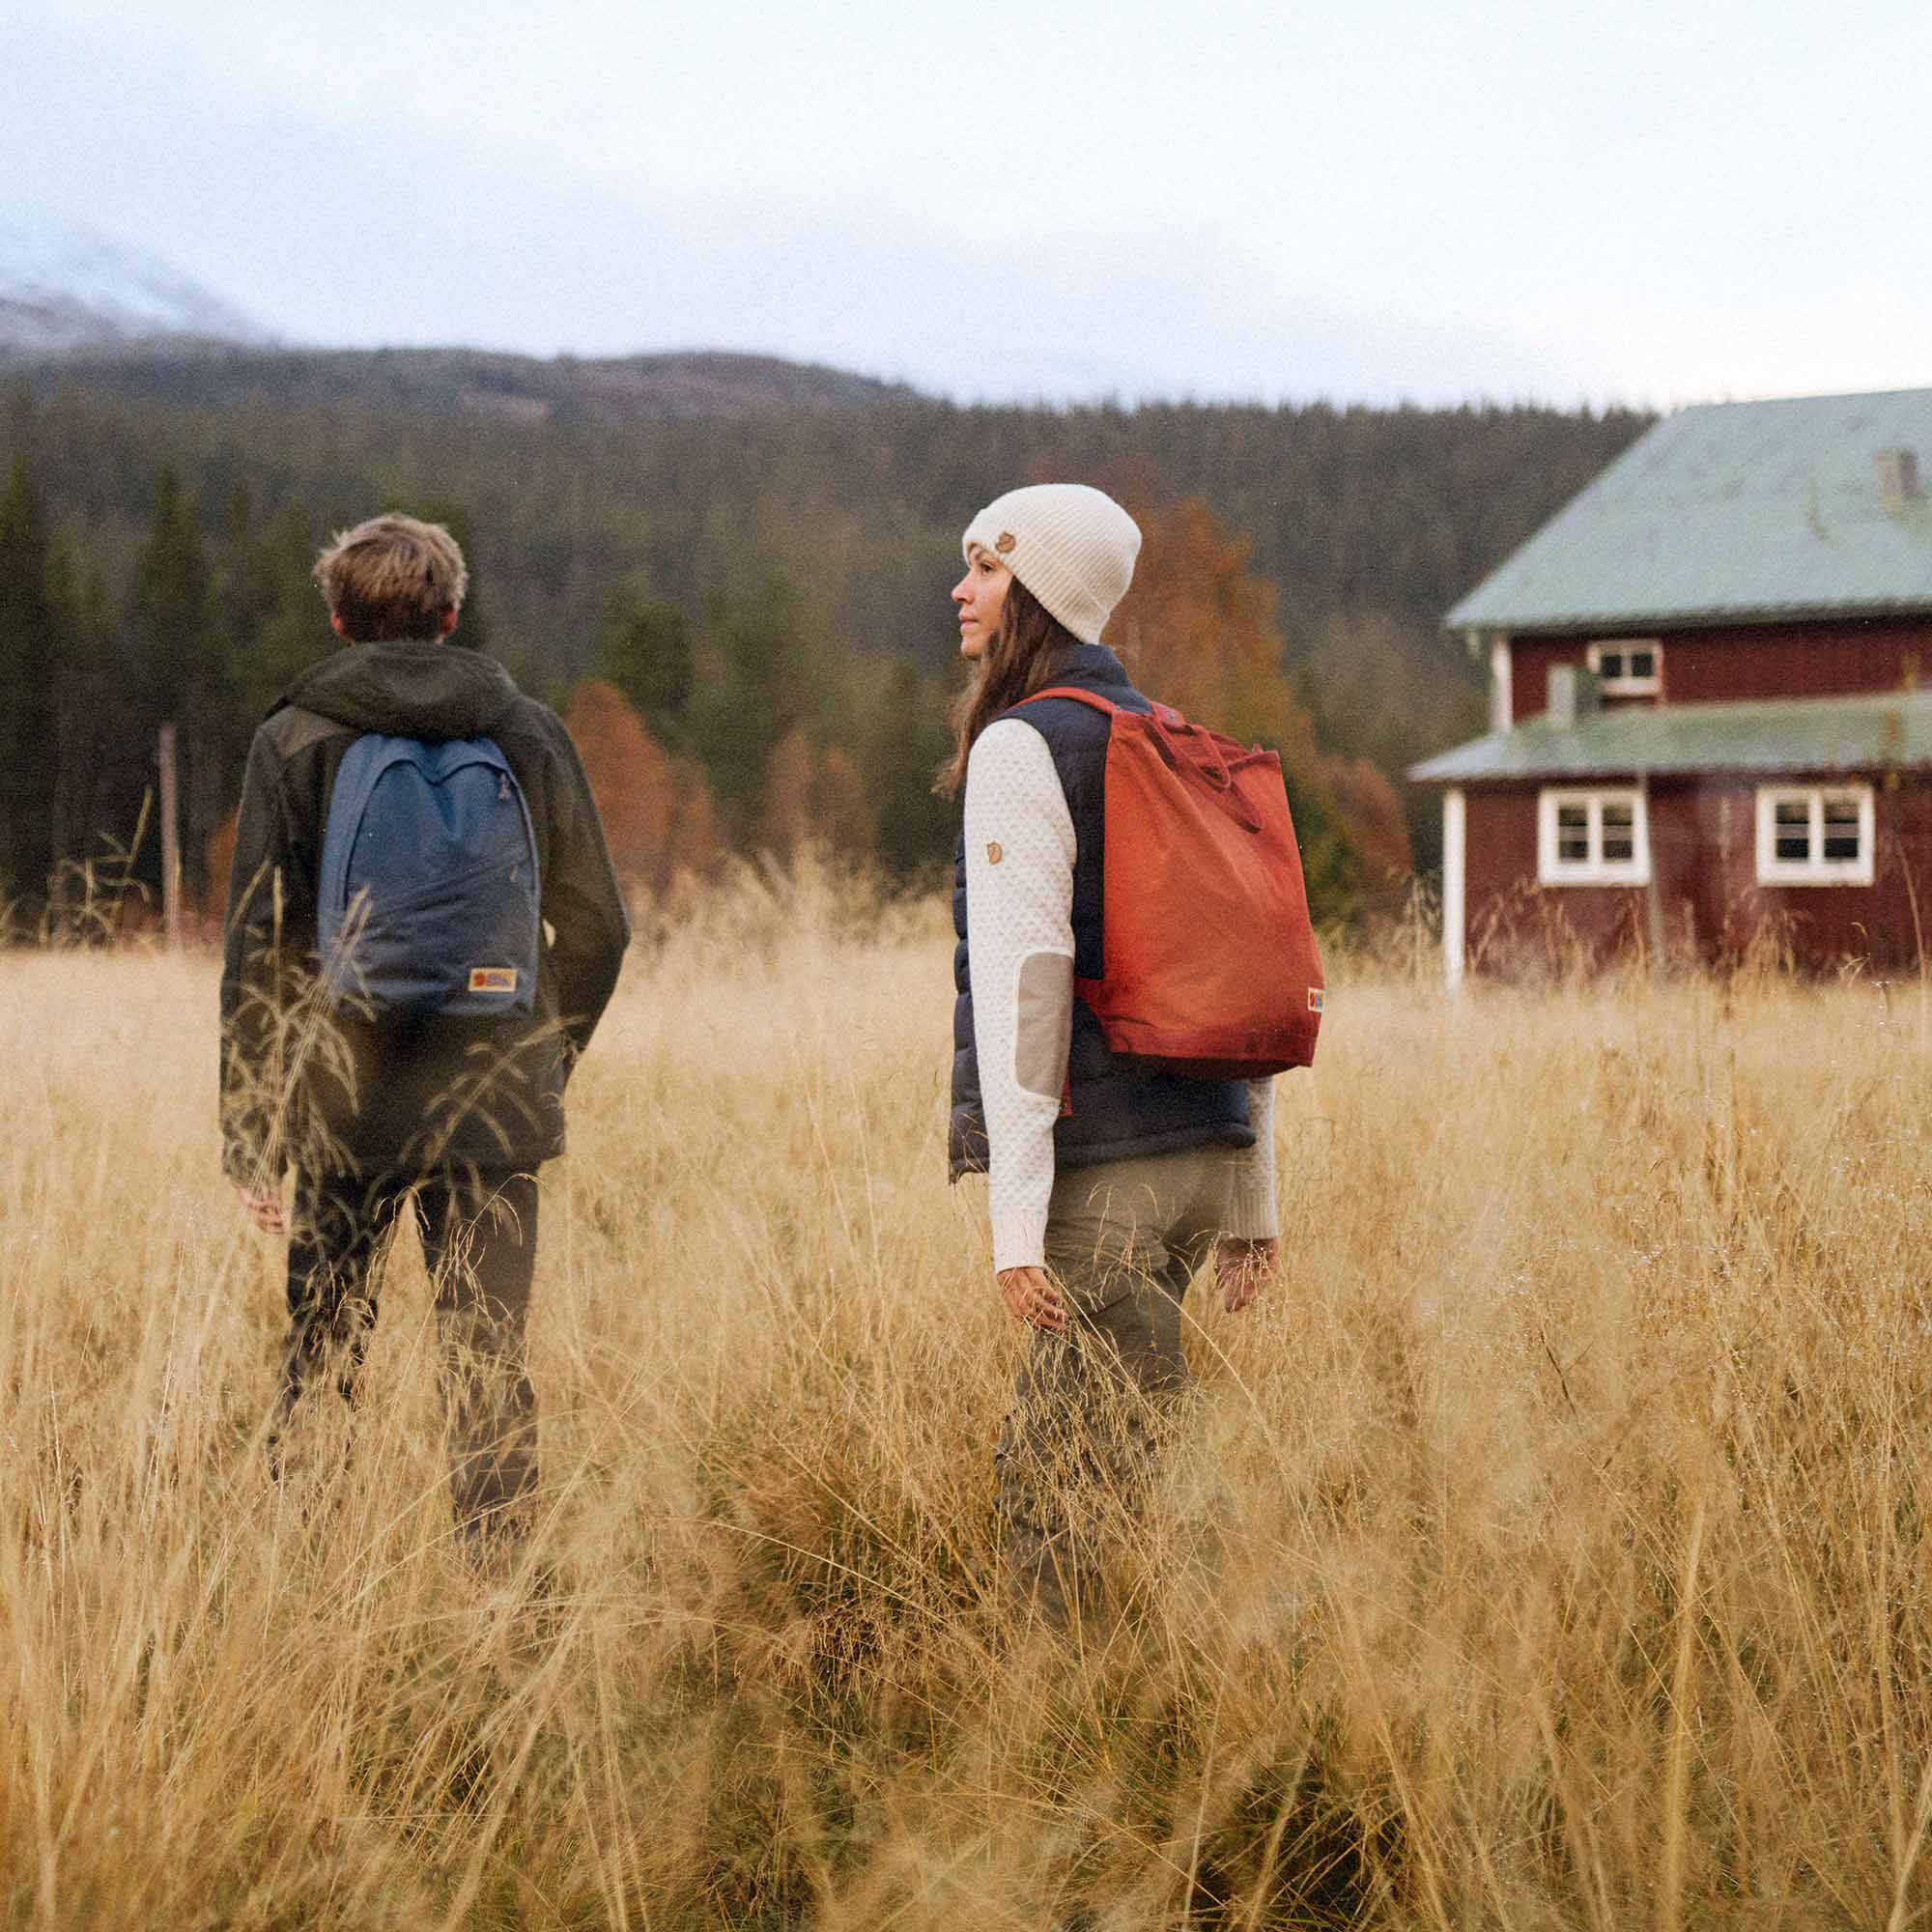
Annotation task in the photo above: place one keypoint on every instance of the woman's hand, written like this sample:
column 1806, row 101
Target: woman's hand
column 1031, row 1297
column 265, row 1209
column 1243, row 1268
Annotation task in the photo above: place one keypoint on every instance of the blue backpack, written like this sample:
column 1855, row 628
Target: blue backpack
column 429, row 898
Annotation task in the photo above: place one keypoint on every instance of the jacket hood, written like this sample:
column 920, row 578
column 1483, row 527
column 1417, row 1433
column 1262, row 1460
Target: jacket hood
column 414, row 689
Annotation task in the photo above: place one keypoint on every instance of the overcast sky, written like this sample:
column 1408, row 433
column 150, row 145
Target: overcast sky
column 1656, row 201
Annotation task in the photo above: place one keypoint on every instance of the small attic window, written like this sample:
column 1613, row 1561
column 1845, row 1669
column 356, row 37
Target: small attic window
column 1628, row 667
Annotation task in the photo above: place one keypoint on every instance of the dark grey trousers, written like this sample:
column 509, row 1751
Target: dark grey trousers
column 480, row 1236
column 1124, row 1239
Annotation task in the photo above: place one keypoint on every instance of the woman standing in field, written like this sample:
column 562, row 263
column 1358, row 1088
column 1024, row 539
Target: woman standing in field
column 1108, row 1181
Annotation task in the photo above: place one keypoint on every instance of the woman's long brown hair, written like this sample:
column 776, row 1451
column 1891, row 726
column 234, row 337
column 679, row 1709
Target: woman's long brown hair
column 1027, row 653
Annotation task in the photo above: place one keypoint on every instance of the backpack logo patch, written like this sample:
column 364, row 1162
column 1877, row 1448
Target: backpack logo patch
column 493, row 978
column 1315, row 999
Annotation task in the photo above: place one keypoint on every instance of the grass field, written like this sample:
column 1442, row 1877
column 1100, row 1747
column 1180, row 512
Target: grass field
column 1548, row 1549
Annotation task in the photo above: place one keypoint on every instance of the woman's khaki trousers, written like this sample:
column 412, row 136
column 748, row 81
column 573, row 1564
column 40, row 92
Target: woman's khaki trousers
column 1124, row 1239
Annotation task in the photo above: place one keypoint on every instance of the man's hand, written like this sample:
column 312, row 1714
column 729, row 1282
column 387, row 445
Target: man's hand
column 1031, row 1297
column 264, row 1210
column 1243, row 1268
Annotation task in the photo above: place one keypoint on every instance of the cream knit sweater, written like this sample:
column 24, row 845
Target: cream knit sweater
column 1019, row 910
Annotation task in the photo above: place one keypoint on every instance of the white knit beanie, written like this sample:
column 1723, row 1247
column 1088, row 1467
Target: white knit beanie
column 1072, row 546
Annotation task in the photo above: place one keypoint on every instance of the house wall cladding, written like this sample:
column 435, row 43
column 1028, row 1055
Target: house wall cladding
column 1705, row 897
column 1820, row 658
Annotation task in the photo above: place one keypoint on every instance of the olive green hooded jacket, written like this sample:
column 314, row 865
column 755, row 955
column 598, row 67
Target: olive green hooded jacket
column 345, row 1093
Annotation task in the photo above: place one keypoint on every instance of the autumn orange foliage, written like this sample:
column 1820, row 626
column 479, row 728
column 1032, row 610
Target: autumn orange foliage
column 1198, row 631
column 1371, row 816
column 659, row 818
column 814, row 797
column 220, row 858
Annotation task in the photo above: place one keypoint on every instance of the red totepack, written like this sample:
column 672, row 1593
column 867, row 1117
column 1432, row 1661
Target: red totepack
column 1210, row 963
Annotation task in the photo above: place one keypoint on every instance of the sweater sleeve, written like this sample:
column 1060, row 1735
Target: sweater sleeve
column 1019, row 931
column 1253, row 1214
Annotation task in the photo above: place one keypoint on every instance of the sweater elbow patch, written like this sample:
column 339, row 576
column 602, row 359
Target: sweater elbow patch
column 1044, row 1013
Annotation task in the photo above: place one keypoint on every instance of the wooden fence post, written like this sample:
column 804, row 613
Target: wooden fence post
column 171, row 880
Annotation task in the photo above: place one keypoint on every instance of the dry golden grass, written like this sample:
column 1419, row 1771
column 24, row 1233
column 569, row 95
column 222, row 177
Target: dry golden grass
column 1570, row 1571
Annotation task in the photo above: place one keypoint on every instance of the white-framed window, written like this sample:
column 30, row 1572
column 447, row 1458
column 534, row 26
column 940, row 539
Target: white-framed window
column 1597, row 837
column 1815, row 834
column 1629, row 666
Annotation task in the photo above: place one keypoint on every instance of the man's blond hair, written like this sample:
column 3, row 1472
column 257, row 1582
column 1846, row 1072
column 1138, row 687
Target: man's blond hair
column 392, row 577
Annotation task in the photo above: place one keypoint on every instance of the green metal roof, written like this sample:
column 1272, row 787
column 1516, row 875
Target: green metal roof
column 1731, row 510
column 1789, row 734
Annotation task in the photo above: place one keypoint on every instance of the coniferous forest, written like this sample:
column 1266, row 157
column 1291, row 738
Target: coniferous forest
column 731, row 576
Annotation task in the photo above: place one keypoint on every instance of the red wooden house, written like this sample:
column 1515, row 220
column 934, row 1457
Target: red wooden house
column 1711, row 701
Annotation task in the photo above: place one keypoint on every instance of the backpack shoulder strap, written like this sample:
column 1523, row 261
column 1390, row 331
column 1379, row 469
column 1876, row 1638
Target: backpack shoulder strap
column 1092, row 698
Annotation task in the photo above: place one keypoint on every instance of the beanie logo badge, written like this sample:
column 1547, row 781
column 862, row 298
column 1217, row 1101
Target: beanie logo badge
column 994, row 853
column 1003, row 542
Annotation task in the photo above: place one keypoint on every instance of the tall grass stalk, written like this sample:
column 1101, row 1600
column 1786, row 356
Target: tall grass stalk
column 1548, row 1549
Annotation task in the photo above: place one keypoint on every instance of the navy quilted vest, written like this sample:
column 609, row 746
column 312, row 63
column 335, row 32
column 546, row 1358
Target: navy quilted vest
column 1118, row 1108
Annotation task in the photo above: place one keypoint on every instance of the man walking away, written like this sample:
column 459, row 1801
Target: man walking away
column 423, row 930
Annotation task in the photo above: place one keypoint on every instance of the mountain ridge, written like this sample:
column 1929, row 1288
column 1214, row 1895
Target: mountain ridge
column 665, row 387
column 78, row 305
column 64, row 286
